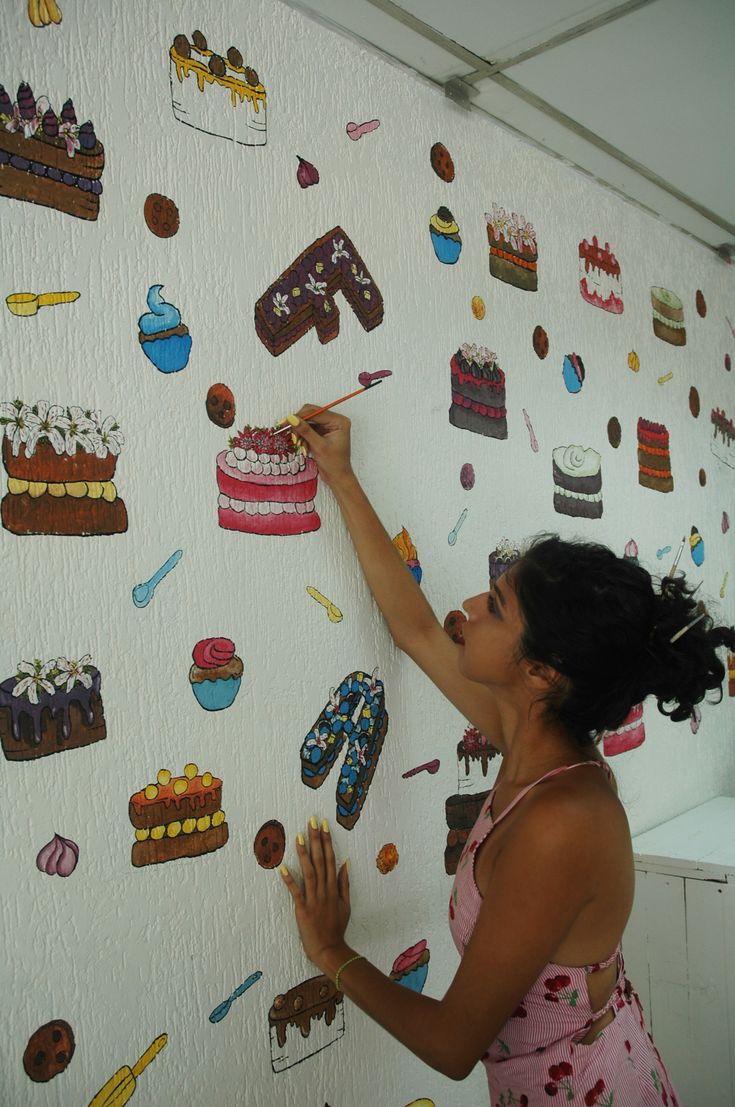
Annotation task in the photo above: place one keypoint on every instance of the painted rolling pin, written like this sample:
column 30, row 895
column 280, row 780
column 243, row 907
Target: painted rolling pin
column 121, row 1086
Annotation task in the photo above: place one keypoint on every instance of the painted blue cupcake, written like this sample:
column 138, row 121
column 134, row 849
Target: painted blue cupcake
column 445, row 236
column 216, row 674
column 411, row 967
column 163, row 337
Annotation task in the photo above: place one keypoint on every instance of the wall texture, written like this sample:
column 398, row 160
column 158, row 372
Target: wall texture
column 125, row 953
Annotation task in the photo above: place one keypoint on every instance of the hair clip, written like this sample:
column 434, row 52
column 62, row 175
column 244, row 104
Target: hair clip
column 680, row 633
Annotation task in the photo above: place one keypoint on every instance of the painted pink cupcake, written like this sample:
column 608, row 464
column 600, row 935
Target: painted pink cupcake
column 216, row 674
column 411, row 967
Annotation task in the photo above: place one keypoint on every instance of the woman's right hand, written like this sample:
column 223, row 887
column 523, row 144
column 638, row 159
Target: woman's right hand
column 328, row 439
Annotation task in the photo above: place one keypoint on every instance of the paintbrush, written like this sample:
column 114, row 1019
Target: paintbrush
column 334, row 403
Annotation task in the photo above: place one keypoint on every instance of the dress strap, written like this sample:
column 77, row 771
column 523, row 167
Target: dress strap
column 546, row 776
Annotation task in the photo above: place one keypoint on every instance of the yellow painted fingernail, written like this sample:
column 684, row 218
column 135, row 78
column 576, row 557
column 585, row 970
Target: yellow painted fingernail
column 283, row 870
column 300, row 839
column 313, row 822
column 293, row 420
column 325, row 826
column 347, row 865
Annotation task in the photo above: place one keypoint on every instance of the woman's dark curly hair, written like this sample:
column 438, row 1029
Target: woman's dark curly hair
column 597, row 619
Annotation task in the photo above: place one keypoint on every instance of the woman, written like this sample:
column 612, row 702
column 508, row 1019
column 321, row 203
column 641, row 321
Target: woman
column 560, row 649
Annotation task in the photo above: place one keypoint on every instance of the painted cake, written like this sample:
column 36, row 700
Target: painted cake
column 355, row 714
column 630, row 734
column 266, row 485
column 474, row 754
column 577, row 482
column 478, row 392
column 654, row 460
column 178, row 816
column 60, row 463
column 462, row 813
column 409, row 556
column 723, row 437
column 49, row 159
column 216, row 93
column 513, row 249
column 731, row 674
column 599, row 276
column 50, row 707
column 501, row 558
column 411, row 967
column 668, row 316
column 303, row 296
column 305, row 1020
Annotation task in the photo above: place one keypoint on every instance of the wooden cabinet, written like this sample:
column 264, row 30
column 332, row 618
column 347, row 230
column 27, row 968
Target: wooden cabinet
column 679, row 948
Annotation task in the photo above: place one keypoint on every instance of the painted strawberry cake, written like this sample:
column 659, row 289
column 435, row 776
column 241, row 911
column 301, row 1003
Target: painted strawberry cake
column 266, row 485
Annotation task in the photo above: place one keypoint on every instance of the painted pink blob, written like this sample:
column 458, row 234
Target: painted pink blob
column 408, row 957
column 210, row 653
column 467, row 476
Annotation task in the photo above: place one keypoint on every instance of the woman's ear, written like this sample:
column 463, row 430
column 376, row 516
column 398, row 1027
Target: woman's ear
column 542, row 677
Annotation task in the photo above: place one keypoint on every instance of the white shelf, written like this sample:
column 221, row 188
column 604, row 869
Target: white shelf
column 698, row 844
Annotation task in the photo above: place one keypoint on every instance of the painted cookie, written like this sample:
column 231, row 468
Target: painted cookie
column 453, row 626
column 441, row 162
column 540, row 342
column 221, row 405
column 270, row 844
column 161, row 215
column 701, row 303
column 49, row 1051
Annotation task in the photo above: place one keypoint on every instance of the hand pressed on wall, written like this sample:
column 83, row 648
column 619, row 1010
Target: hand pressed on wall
column 322, row 906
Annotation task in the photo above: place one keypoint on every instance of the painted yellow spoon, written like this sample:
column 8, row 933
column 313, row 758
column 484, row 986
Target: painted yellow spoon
column 28, row 303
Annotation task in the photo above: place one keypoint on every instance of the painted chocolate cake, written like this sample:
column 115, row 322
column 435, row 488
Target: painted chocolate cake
column 474, row 753
column 723, row 437
column 654, row 459
column 478, row 392
column 49, row 159
column 305, row 1020
column 50, row 707
column 577, row 482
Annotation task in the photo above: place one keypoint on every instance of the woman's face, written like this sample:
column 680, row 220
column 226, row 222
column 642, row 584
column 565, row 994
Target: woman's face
column 491, row 634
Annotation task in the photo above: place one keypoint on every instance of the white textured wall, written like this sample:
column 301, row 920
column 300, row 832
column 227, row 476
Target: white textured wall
column 125, row 954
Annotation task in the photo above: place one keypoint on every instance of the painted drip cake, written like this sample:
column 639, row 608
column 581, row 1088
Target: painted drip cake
column 599, row 276
column 216, row 93
column 305, row 1020
column 474, row 754
column 50, row 707
column 266, row 485
column 723, row 437
column 513, row 249
column 478, row 392
column 178, row 816
column 577, row 482
column 49, row 159
column 60, row 463
column 629, row 735
column 654, row 459
column 355, row 714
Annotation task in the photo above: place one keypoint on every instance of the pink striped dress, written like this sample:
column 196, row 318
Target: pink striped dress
column 536, row 1058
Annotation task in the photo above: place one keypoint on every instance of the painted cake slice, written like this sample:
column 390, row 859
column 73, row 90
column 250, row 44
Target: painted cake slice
column 478, row 392
column 577, row 482
column 51, row 707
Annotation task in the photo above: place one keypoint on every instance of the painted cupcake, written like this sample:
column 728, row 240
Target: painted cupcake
column 407, row 550
column 445, row 236
column 411, row 967
column 163, row 337
column 216, row 674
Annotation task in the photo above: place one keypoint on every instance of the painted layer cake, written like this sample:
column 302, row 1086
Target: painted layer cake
column 216, row 93
column 501, row 558
column 60, row 463
column 462, row 813
column 599, row 276
column 266, row 486
column 50, row 707
column 577, row 482
column 49, row 159
column 178, row 816
column 723, row 437
column 513, row 249
column 478, row 392
column 654, row 459
column 668, row 317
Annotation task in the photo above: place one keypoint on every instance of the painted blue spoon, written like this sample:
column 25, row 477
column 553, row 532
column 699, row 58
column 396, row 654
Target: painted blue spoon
column 221, row 1010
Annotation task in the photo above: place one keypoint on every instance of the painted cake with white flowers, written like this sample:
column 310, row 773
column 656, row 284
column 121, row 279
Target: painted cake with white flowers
column 60, row 463
column 478, row 392
column 513, row 249
column 266, row 484
column 51, row 706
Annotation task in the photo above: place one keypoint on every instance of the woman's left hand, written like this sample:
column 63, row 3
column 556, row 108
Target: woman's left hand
column 322, row 907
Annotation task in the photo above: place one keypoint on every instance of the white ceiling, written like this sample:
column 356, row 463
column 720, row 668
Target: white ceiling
column 640, row 94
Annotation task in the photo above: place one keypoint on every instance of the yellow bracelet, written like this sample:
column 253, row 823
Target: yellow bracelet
column 357, row 957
